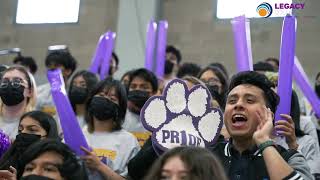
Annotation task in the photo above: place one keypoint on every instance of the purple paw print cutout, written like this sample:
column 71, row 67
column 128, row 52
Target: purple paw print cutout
column 181, row 117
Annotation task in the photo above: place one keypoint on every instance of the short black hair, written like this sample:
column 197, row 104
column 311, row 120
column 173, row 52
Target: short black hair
column 260, row 81
column 175, row 51
column 70, row 168
column 121, row 93
column 147, row 76
column 275, row 60
column 116, row 58
column 27, row 61
column 190, row 69
column 263, row 66
column 62, row 58
column 221, row 67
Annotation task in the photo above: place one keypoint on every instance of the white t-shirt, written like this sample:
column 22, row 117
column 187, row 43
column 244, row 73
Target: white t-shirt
column 44, row 100
column 46, row 104
column 81, row 121
column 133, row 124
column 118, row 146
column 10, row 127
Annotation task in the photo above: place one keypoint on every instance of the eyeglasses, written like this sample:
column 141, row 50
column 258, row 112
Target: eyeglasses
column 212, row 81
column 15, row 82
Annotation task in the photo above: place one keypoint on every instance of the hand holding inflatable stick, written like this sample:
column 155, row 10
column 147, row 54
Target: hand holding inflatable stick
column 73, row 135
column 287, row 52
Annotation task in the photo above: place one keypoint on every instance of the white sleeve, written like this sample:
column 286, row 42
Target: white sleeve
column 133, row 147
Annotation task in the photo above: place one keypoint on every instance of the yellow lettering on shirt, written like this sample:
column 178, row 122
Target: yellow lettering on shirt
column 105, row 153
column 49, row 109
column 141, row 137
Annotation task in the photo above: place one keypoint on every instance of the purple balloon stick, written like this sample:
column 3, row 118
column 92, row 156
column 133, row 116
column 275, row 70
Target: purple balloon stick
column 150, row 42
column 242, row 43
column 98, row 55
column 302, row 80
column 287, row 52
column 107, row 53
column 73, row 135
column 161, row 49
column 4, row 143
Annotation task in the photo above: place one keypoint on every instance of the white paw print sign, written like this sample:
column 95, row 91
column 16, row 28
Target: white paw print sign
column 181, row 117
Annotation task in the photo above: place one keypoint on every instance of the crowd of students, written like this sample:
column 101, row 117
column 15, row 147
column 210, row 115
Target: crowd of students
column 108, row 111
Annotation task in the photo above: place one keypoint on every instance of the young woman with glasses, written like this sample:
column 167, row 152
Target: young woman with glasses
column 17, row 96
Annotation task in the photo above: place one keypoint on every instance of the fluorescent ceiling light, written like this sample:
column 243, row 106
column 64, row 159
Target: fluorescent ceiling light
column 47, row 11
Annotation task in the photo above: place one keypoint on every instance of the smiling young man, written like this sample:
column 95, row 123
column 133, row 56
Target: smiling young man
column 250, row 153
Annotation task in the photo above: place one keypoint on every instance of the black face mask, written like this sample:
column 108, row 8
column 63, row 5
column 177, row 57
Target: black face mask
column 317, row 88
column 103, row 108
column 11, row 96
column 214, row 91
column 110, row 71
column 138, row 97
column 35, row 177
column 24, row 140
column 78, row 95
column 168, row 67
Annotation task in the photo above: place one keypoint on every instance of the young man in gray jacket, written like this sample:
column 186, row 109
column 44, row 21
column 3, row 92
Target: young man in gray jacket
column 251, row 153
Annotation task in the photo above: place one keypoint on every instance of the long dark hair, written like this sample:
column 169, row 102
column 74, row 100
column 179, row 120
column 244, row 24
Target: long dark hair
column 46, row 121
column 201, row 164
column 219, row 73
column 90, row 79
column 295, row 114
column 107, row 85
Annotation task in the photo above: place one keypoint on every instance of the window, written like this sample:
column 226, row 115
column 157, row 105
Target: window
column 231, row 8
column 47, row 11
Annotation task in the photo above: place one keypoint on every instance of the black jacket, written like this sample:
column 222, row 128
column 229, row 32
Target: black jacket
column 250, row 164
column 139, row 166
